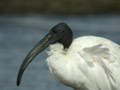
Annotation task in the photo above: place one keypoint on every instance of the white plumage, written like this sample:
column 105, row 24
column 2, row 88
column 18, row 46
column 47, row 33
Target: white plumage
column 90, row 63
column 85, row 63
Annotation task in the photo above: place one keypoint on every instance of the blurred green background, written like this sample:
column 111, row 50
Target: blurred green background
column 60, row 7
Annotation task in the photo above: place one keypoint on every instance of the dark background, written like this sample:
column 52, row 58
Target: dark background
column 60, row 7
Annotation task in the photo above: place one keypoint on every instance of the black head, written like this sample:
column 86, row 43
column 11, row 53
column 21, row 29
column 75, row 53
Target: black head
column 63, row 33
column 60, row 33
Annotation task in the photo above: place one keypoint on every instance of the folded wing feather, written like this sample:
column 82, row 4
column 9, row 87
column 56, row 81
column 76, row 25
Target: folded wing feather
column 98, row 55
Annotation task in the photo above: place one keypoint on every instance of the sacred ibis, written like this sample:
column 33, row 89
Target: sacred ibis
column 85, row 63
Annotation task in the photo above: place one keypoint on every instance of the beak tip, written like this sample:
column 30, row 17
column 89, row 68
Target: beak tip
column 18, row 83
column 18, row 80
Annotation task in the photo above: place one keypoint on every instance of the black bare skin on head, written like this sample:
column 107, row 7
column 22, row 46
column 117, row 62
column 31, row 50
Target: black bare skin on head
column 67, row 35
column 60, row 33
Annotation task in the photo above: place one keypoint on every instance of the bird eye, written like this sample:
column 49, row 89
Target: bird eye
column 55, row 31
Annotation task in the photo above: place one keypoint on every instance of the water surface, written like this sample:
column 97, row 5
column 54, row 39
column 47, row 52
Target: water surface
column 18, row 34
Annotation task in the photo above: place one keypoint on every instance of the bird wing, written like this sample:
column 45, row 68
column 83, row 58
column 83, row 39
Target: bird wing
column 98, row 59
column 94, row 54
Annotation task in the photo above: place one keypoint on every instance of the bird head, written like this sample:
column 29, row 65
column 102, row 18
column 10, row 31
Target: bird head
column 60, row 33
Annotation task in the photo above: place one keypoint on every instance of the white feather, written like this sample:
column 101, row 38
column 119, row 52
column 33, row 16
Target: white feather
column 90, row 63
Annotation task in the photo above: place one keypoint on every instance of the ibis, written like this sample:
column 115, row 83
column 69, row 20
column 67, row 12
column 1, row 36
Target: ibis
column 85, row 63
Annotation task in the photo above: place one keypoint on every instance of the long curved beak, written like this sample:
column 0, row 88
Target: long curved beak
column 44, row 43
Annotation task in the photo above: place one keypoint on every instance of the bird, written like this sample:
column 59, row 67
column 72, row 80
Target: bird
column 85, row 63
